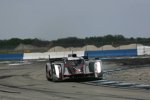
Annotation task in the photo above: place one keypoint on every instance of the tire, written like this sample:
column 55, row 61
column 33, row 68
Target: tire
column 99, row 76
column 54, row 78
column 48, row 74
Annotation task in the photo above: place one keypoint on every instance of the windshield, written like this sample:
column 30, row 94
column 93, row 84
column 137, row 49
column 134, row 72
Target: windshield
column 74, row 62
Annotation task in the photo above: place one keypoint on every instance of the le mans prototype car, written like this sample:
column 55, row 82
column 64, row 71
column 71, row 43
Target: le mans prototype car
column 59, row 69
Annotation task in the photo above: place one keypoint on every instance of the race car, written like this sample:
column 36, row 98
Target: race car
column 59, row 69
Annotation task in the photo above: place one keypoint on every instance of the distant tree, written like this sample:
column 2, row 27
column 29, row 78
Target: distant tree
column 27, row 41
column 98, row 41
column 69, row 42
column 40, row 43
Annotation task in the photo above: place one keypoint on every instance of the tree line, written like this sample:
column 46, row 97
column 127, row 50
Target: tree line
column 98, row 41
column 115, row 40
column 14, row 42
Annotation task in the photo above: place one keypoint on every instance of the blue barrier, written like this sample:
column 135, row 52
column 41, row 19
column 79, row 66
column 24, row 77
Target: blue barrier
column 18, row 56
column 109, row 53
column 96, row 53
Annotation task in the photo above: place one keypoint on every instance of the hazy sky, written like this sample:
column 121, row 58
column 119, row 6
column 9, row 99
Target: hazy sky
column 53, row 19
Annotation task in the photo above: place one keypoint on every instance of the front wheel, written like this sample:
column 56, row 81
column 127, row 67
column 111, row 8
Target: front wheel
column 98, row 76
column 54, row 77
column 57, row 73
column 48, row 74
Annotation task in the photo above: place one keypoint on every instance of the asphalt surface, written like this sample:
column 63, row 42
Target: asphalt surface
column 27, row 82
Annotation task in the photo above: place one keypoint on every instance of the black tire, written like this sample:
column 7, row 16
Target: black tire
column 48, row 75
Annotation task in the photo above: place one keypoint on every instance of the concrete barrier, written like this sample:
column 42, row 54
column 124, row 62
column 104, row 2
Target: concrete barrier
column 46, row 55
column 143, row 50
column 33, row 56
column 18, row 56
column 111, row 53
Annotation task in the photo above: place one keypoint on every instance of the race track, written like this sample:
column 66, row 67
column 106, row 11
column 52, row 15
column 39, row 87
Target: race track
column 27, row 82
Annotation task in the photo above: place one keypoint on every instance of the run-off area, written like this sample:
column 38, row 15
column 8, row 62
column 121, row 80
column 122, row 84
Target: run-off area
column 25, row 80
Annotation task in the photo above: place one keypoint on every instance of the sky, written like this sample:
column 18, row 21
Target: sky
column 54, row 19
